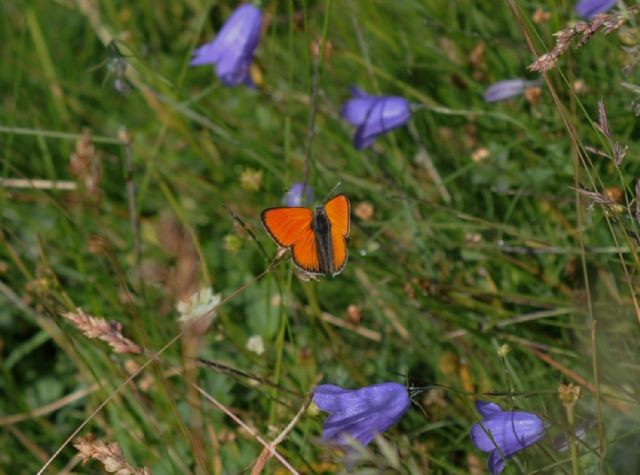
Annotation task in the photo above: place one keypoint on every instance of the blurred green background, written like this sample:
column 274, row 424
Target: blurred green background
column 468, row 232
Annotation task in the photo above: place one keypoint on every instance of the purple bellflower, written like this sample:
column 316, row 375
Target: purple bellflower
column 590, row 8
column 360, row 413
column 232, row 49
column 374, row 115
column 510, row 432
column 507, row 89
column 294, row 196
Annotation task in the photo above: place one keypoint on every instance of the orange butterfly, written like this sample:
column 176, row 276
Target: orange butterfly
column 318, row 239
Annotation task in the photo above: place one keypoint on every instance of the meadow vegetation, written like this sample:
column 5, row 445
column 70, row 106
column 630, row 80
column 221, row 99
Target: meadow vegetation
column 493, row 254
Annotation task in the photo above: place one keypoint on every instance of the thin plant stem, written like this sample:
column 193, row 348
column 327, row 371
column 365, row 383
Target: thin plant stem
column 317, row 68
column 573, row 446
column 239, row 421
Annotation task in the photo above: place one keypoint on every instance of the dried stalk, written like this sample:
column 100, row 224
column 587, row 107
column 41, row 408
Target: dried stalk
column 583, row 32
column 109, row 332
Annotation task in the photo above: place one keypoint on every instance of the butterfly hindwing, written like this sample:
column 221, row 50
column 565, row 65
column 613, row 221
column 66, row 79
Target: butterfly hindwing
column 339, row 243
column 304, row 253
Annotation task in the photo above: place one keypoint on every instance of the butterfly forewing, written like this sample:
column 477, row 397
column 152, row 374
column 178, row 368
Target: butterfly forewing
column 338, row 212
column 287, row 225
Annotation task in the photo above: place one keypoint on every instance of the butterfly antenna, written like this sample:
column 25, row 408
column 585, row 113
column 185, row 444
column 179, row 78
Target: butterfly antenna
column 332, row 190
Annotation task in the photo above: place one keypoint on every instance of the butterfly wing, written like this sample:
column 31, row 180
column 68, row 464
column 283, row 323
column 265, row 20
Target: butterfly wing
column 338, row 210
column 287, row 225
column 304, row 253
column 291, row 227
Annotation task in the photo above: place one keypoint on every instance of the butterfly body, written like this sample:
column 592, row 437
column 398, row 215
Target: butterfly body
column 322, row 230
column 317, row 238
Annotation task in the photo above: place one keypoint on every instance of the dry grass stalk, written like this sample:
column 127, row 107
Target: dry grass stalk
column 618, row 150
column 177, row 240
column 243, row 425
column 638, row 201
column 38, row 184
column 85, row 166
column 584, row 31
column 600, row 199
column 49, row 408
column 268, row 451
column 110, row 455
column 603, row 121
column 108, row 331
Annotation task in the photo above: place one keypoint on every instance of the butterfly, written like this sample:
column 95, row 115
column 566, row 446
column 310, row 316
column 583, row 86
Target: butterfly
column 317, row 238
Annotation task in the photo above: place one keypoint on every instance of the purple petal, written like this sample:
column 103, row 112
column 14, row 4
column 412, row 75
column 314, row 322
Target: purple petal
column 233, row 47
column 386, row 114
column 507, row 89
column 361, row 413
column 359, row 93
column 374, row 115
column 294, row 196
column 590, row 8
column 496, row 462
column 328, row 397
column 480, row 438
column 486, row 408
column 233, row 69
column 355, row 110
column 208, row 53
column 504, row 433
column 511, row 432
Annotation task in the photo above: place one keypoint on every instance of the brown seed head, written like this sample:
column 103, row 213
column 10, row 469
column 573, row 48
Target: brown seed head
column 354, row 314
column 613, row 193
column 364, row 210
column 480, row 154
column 316, row 46
column 540, row 16
column 533, row 94
column 580, row 87
column 251, row 179
column 569, row 394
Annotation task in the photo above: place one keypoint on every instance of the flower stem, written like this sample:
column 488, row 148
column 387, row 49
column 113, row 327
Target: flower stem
column 573, row 446
column 283, row 288
column 569, row 395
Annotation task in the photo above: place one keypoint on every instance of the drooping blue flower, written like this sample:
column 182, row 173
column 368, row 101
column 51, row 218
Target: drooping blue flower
column 507, row 89
column 374, row 115
column 590, row 8
column 511, row 433
column 361, row 413
column 232, row 49
column 294, row 196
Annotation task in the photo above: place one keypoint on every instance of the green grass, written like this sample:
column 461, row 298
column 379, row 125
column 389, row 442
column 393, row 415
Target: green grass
column 459, row 258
